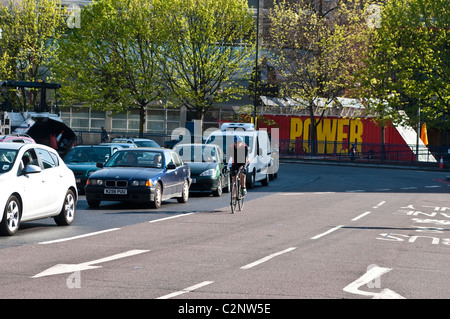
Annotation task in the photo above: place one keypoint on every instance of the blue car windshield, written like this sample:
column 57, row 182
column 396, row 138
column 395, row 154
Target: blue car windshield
column 141, row 158
column 7, row 158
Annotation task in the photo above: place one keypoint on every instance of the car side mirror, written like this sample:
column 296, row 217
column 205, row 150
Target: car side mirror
column 99, row 164
column 171, row 166
column 32, row 169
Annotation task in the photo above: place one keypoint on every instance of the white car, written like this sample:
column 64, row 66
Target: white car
column 34, row 183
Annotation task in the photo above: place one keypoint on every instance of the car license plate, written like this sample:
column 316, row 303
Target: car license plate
column 113, row 191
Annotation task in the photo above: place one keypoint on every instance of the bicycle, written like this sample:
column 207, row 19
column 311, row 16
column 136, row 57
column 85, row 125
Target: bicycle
column 237, row 198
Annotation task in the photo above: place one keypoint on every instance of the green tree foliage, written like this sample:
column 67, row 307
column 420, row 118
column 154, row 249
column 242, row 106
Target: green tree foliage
column 111, row 62
column 319, row 46
column 208, row 48
column 408, row 63
column 29, row 33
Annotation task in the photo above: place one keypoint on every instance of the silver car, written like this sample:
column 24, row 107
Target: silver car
column 34, row 183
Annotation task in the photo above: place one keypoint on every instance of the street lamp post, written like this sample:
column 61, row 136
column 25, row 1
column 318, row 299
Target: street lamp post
column 256, row 79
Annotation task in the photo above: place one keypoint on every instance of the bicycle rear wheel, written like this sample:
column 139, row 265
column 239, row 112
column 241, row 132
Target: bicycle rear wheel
column 233, row 201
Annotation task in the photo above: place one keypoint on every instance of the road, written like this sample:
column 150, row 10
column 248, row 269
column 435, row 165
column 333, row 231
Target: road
column 318, row 231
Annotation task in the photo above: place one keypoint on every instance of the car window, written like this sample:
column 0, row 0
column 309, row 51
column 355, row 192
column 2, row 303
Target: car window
column 125, row 158
column 7, row 159
column 55, row 158
column 28, row 158
column 146, row 143
column 46, row 158
column 176, row 159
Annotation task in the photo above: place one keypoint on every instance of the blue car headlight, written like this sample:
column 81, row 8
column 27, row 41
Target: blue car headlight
column 146, row 183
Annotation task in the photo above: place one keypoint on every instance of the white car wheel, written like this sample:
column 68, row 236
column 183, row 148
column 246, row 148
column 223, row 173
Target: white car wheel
column 67, row 214
column 11, row 217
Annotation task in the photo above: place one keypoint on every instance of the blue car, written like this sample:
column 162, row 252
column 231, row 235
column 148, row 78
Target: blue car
column 148, row 175
column 83, row 159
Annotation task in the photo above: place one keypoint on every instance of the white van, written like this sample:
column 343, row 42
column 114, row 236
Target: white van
column 259, row 149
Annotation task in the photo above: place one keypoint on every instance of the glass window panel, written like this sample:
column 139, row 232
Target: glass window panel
column 98, row 114
column 97, row 124
column 156, row 115
column 80, row 123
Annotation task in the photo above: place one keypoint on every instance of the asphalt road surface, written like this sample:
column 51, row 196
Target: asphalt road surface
column 317, row 231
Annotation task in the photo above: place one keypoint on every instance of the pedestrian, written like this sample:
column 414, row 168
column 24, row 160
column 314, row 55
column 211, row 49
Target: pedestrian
column 352, row 152
column 104, row 136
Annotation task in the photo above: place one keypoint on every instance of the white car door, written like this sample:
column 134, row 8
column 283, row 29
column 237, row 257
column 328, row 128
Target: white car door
column 33, row 190
column 52, row 178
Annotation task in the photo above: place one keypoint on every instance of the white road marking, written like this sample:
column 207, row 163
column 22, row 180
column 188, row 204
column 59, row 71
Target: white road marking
column 361, row 216
column 433, row 186
column 77, row 237
column 408, row 188
column 69, row 268
column 379, row 204
column 171, row 217
column 186, row 290
column 260, row 261
column 327, row 232
column 370, row 275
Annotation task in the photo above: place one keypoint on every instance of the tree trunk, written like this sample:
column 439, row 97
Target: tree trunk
column 141, row 119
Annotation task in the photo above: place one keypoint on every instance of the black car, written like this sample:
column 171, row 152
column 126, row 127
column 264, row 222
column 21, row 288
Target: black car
column 208, row 172
column 140, row 175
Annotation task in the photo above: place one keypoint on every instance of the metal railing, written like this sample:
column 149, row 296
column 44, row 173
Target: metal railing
column 365, row 152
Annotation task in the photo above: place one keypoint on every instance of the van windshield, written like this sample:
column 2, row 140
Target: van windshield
column 226, row 140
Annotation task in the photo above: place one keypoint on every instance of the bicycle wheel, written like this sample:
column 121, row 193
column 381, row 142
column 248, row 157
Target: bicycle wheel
column 239, row 196
column 233, row 201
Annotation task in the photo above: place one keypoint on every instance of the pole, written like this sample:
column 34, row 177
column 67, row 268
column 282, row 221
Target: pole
column 256, row 81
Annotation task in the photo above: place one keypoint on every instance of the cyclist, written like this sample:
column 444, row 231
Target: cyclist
column 237, row 158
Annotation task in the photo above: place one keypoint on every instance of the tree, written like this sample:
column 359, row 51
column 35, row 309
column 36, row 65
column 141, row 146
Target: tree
column 408, row 65
column 318, row 45
column 29, row 33
column 112, row 61
column 207, row 51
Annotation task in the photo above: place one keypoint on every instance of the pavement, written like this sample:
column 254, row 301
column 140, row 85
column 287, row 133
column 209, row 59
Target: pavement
column 365, row 163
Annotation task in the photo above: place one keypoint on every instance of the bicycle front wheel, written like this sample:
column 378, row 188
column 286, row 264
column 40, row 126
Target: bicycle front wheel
column 240, row 197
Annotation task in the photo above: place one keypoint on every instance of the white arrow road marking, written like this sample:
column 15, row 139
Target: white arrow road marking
column 69, row 268
column 372, row 274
